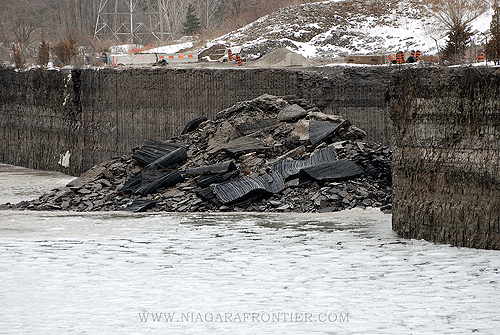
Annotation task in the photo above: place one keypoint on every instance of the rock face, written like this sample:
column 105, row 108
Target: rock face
column 446, row 169
column 247, row 159
column 69, row 121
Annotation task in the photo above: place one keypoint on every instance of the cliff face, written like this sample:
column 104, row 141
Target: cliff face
column 69, row 121
column 40, row 119
column 446, row 155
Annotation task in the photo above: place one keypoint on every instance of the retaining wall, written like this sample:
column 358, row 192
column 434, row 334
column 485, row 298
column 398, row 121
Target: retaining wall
column 446, row 155
column 92, row 115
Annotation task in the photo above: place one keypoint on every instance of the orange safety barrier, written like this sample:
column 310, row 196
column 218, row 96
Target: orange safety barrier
column 230, row 55
column 400, row 57
column 480, row 56
column 417, row 55
column 391, row 58
column 238, row 60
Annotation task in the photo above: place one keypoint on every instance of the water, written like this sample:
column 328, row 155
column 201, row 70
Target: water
column 202, row 273
column 18, row 184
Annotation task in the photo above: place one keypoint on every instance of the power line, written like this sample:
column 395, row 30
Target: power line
column 132, row 21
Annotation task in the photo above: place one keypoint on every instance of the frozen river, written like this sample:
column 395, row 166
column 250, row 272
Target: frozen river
column 205, row 273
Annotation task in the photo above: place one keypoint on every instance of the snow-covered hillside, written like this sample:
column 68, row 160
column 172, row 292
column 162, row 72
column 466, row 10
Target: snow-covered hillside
column 332, row 29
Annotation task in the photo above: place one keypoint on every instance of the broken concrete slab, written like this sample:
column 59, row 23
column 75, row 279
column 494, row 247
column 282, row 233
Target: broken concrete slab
column 152, row 151
column 193, row 125
column 169, row 160
column 241, row 190
column 337, row 170
column 300, row 132
column 244, row 145
column 207, row 180
column 291, row 113
column 289, row 169
column 211, row 169
column 168, row 179
column 140, row 205
column 91, row 175
column 256, row 125
column 320, row 130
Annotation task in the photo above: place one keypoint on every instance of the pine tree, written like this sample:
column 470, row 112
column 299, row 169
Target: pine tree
column 42, row 57
column 192, row 24
column 493, row 46
column 458, row 41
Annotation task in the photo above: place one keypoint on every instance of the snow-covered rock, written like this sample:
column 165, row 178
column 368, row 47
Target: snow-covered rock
column 333, row 29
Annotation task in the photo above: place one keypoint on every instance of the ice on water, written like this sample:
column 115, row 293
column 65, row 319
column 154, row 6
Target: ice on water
column 100, row 273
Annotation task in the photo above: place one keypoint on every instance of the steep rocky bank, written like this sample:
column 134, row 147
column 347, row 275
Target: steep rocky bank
column 446, row 154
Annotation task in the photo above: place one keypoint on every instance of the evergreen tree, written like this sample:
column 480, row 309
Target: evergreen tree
column 42, row 57
column 458, row 41
column 192, row 24
column 493, row 46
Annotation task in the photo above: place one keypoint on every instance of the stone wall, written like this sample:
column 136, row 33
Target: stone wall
column 92, row 115
column 446, row 155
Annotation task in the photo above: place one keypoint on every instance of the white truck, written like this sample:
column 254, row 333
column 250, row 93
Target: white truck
column 234, row 51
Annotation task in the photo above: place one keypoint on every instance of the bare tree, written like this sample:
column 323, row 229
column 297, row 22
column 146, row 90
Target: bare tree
column 26, row 21
column 456, row 13
column 208, row 10
column 455, row 17
column 176, row 14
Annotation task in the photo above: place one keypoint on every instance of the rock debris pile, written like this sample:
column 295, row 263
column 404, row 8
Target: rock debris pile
column 272, row 154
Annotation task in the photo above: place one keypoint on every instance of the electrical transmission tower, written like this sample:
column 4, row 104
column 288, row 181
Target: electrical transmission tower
column 132, row 21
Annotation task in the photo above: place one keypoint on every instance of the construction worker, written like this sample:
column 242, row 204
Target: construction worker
column 412, row 58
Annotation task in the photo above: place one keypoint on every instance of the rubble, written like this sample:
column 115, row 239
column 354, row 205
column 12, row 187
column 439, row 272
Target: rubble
column 272, row 154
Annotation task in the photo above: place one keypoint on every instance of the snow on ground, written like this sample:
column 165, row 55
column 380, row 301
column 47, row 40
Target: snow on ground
column 330, row 30
column 170, row 49
column 334, row 29
column 167, row 49
column 123, row 48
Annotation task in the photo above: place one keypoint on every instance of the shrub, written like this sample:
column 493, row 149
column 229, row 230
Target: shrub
column 66, row 50
column 18, row 56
